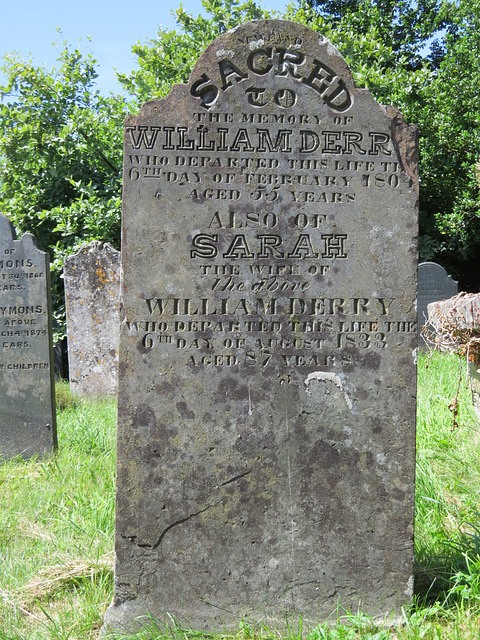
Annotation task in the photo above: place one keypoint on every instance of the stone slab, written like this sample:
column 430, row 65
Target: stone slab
column 267, row 383
column 27, row 390
column 92, row 298
column 461, row 311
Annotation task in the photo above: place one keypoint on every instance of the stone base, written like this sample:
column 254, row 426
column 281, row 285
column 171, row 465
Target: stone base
column 133, row 616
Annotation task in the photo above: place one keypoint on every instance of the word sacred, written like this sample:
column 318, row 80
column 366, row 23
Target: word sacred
column 280, row 62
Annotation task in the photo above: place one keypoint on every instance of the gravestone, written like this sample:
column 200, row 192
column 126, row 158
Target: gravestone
column 433, row 284
column 27, row 391
column 266, row 429
column 92, row 297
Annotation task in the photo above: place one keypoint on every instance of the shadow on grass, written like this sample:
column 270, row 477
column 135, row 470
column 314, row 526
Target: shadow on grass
column 452, row 577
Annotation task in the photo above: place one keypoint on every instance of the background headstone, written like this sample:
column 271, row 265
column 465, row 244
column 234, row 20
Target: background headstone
column 266, row 430
column 433, row 284
column 27, row 391
column 92, row 297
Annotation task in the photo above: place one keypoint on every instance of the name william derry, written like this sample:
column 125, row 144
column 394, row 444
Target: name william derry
column 273, row 306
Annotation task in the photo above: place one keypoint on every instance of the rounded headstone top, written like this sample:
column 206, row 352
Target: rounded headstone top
column 94, row 248
column 281, row 47
column 255, row 56
column 7, row 230
column 433, row 266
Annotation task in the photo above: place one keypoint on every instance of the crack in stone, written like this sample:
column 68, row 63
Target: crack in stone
column 187, row 518
column 239, row 477
column 177, row 522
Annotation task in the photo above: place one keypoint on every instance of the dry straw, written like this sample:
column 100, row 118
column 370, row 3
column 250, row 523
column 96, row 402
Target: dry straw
column 454, row 326
column 52, row 578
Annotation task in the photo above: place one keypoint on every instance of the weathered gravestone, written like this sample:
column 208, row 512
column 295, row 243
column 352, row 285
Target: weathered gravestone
column 27, row 392
column 92, row 297
column 266, row 443
column 433, row 284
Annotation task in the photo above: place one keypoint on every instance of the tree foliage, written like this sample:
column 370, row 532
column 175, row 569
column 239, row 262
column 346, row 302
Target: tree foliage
column 450, row 126
column 403, row 25
column 60, row 156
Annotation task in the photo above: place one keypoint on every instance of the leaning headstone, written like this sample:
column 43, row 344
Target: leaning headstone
column 27, row 391
column 92, row 297
column 266, row 430
column 434, row 284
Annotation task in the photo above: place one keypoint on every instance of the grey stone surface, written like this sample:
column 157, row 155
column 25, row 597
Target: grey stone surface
column 27, row 402
column 434, row 284
column 92, row 297
column 266, row 434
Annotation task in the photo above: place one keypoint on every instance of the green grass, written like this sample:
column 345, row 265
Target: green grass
column 56, row 531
